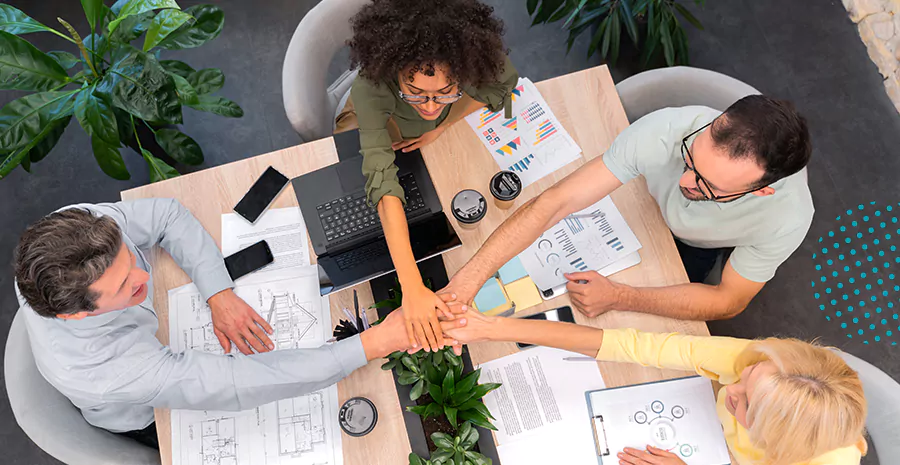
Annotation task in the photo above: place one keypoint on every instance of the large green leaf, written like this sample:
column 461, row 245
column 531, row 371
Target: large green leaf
column 547, row 8
column 450, row 412
column 477, row 459
column 688, row 15
column 477, row 406
column 132, row 27
column 435, row 391
column 65, row 59
column 13, row 21
column 531, row 5
column 24, row 67
column 179, row 146
column 476, row 419
column 42, row 148
column 482, row 389
column 93, row 10
column 138, row 84
column 468, row 382
column 123, row 124
column 207, row 24
column 97, row 45
column 159, row 170
column 24, row 118
column 136, row 7
column 442, row 440
column 468, row 435
column 414, row 459
column 17, row 157
column 110, row 160
column 218, row 105
column 165, row 23
column 207, row 81
column 177, row 67
column 448, row 385
column 417, row 389
column 96, row 117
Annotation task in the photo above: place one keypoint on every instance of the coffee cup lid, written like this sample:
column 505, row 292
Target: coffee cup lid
column 506, row 185
column 469, row 206
column 358, row 416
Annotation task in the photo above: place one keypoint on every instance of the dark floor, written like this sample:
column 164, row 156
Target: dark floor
column 806, row 51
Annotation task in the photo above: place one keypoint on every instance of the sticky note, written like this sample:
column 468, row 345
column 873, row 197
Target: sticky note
column 491, row 296
column 512, row 271
column 523, row 293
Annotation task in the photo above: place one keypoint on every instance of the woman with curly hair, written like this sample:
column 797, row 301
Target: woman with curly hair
column 783, row 401
column 423, row 66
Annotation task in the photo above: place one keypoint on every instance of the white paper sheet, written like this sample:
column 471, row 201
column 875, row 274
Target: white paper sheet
column 678, row 415
column 541, row 405
column 533, row 143
column 298, row 431
column 282, row 228
column 591, row 239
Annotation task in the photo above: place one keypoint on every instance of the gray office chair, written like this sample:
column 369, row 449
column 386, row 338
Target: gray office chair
column 883, row 397
column 310, row 104
column 50, row 419
column 679, row 86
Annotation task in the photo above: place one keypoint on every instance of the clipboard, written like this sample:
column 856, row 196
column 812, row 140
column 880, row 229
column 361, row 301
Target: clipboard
column 678, row 415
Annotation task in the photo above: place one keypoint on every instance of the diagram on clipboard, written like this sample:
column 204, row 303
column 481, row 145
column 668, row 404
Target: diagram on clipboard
column 676, row 415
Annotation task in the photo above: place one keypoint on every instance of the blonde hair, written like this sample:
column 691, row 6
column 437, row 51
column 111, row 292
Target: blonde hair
column 812, row 405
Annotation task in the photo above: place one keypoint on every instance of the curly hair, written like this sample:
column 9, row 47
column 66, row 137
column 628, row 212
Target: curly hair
column 390, row 36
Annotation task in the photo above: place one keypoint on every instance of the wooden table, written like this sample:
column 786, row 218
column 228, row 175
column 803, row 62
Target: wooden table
column 587, row 105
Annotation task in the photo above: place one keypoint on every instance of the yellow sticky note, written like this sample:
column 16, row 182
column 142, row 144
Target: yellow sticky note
column 523, row 293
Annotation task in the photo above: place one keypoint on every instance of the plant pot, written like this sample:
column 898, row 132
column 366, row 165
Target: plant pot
column 419, row 439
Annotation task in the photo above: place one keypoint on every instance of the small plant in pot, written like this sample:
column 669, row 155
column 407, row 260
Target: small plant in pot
column 112, row 88
column 454, row 450
column 457, row 397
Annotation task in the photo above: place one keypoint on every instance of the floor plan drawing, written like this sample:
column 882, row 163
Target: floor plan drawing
column 203, row 338
column 290, row 319
column 301, row 424
column 218, row 442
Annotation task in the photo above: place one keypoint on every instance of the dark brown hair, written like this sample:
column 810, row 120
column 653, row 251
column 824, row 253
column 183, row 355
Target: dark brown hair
column 767, row 129
column 392, row 35
column 62, row 254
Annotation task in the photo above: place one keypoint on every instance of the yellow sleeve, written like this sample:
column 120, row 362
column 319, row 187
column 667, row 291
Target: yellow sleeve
column 711, row 357
column 844, row 456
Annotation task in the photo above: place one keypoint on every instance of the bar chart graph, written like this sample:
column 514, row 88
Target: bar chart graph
column 522, row 165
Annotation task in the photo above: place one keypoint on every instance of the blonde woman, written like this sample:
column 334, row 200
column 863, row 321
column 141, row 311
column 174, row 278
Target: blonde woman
column 784, row 401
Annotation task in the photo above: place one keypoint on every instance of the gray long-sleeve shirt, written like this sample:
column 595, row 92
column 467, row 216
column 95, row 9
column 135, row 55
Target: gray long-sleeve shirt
column 112, row 367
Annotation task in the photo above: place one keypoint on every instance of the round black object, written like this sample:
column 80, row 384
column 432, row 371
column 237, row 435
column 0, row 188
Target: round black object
column 358, row 416
column 469, row 206
column 506, row 185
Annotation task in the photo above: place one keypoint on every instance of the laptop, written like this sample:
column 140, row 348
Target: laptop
column 346, row 232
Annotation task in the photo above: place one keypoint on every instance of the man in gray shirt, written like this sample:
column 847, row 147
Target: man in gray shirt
column 85, row 287
column 722, row 180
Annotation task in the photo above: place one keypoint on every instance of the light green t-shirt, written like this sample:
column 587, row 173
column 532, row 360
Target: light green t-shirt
column 764, row 231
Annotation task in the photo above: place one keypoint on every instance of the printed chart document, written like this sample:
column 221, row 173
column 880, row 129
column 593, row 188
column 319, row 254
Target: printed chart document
column 282, row 228
column 533, row 143
column 677, row 415
column 298, row 431
column 541, row 406
column 591, row 239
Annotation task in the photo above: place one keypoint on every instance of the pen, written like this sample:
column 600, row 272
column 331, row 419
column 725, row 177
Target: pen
column 359, row 323
column 579, row 359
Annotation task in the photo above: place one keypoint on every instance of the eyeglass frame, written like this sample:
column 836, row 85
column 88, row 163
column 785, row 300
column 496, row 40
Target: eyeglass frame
column 691, row 167
column 433, row 98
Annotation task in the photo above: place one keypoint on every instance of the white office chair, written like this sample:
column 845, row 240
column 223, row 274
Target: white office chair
column 50, row 419
column 883, row 396
column 679, row 86
column 311, row 105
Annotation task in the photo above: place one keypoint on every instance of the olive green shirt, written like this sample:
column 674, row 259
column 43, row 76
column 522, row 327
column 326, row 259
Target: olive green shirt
column 376, row 103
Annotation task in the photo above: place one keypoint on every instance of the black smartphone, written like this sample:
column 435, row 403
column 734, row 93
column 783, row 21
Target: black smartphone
column 261, row 195
column 559, row 314
column 248, row 260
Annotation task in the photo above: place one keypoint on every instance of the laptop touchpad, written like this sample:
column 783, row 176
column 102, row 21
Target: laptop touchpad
column 350, row 173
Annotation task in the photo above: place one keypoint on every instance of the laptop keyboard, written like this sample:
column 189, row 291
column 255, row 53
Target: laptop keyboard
column 350, row 216
column 359, row 255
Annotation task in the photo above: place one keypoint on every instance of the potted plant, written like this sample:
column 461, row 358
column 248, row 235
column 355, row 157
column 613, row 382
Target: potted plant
column 454, row 450
column 651, row 24
column 112, row 88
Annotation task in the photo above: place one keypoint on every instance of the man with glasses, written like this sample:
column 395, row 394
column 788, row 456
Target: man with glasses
column 733, row 180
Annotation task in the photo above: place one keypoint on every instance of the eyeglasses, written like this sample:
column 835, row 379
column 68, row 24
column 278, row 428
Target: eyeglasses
column 702, row 184
column 423, row 99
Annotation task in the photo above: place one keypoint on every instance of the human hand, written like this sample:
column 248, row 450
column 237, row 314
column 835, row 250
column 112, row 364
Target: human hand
column 652, row 456
column 473, row 326
column 390, row 335
column 458, row 290
column 420, row 307
column 591, row 293
column 234, row 320
column 409, row 145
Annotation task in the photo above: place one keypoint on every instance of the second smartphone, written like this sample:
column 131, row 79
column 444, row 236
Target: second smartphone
column 560, row 314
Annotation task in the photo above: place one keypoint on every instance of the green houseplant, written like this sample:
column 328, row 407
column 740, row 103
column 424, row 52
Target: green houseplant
column 454, row 450
column 111, row 87
column 458, row 398
column 651, row 24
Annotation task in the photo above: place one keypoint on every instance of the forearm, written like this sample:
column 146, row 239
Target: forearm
column 396, row 234
column 692, row 301
column 567, row 336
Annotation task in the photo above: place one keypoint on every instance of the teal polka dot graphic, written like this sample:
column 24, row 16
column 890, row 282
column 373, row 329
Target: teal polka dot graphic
column 869, row 236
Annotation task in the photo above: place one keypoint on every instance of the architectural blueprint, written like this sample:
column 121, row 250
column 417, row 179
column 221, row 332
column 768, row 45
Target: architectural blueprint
column 302, row 430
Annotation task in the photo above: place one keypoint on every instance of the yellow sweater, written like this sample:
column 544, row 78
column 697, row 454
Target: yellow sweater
column 713, row 358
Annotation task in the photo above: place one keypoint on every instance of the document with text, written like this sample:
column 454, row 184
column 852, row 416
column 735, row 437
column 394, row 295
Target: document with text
column 282, row 228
